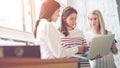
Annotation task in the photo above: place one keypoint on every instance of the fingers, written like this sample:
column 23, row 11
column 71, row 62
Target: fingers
column 80, row 49
column 83, row 48
column 97, row 57
column 86, row 48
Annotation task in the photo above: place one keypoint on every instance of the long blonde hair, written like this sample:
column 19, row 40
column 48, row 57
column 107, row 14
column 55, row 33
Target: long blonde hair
column 103, row 31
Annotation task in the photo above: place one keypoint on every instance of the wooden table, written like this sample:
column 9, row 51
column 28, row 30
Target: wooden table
column 38, row 63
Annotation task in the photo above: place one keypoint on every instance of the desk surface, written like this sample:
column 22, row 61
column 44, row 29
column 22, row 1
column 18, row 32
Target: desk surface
column 37, row 62
column 25, row 61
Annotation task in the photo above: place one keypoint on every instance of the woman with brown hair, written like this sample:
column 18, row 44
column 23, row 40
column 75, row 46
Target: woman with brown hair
column 70, row 36
column 47, row 36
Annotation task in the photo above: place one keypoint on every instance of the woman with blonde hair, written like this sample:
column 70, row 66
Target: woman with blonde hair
column 97, row 26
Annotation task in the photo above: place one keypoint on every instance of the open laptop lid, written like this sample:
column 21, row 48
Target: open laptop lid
column 21, row 51
column 100, row 45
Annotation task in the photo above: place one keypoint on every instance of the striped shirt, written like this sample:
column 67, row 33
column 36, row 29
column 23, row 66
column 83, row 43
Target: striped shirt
column 75, row 38
column 71, row 42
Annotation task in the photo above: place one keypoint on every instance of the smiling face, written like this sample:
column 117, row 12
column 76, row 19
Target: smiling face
column 71, row 21
column 94, row 21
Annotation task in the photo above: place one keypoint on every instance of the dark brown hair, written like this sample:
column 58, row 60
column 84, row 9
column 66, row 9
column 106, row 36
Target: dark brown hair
column 47, row 9
column 66, row 12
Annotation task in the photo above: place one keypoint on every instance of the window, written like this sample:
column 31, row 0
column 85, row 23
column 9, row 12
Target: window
column 18, row 14
column 11, row 14
column 17, row 18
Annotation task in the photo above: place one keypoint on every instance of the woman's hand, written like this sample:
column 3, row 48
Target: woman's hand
column 114, row 49
column 83, row 48
column 86, row 48
column 97, row 57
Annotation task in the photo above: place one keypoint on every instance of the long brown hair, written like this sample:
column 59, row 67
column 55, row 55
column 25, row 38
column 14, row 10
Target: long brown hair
column 47, row 10
column 66, row 12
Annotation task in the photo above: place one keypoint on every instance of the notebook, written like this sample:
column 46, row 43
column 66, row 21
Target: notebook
column 99, row 45
column 20, row 51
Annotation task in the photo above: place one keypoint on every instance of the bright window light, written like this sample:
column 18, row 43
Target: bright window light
column 11, row 14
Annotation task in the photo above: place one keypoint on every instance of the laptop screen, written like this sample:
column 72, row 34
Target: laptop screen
column 21, row 51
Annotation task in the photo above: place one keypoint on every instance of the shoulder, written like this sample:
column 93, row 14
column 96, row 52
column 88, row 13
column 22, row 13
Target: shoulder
column 46, row 23
column 78, row 33
column 78, row 30
column 87, row 33
column 61, row 34
column 45, row 26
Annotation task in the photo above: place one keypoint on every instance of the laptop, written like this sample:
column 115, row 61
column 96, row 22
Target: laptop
column 20, row 51
column 99, row 45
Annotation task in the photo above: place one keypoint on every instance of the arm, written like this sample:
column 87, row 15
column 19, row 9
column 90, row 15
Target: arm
column 114, row 48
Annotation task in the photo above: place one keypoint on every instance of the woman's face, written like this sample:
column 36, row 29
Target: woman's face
column 55, row 15
column 71, row 21
column 93, row 21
